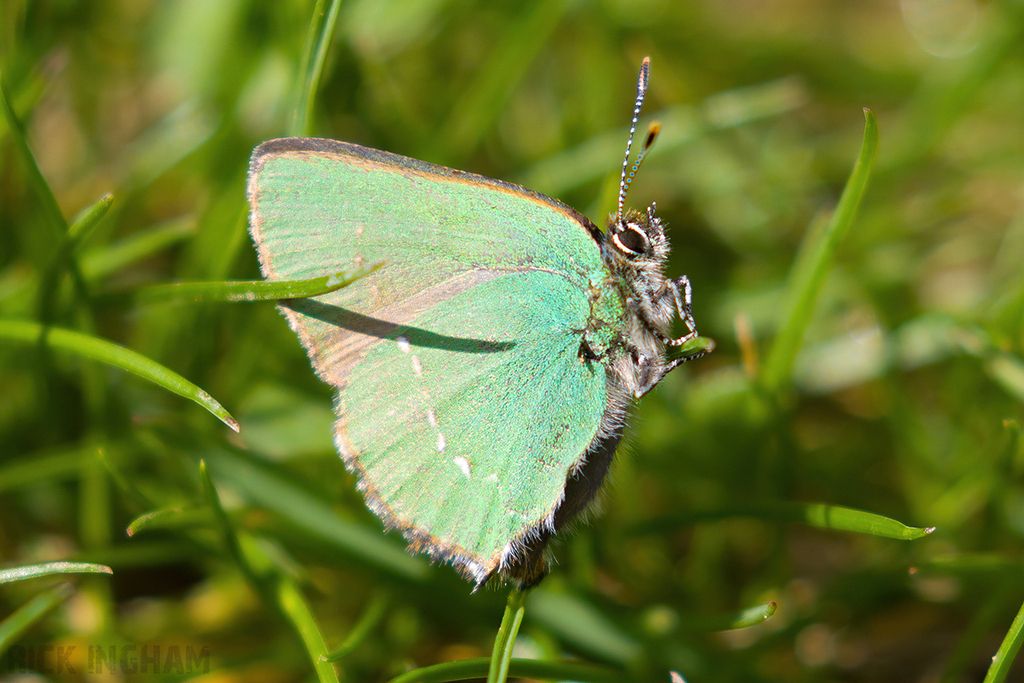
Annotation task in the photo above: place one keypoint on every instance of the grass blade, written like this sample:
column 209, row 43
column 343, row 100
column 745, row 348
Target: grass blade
column 832, row 517
column 32, row 571
column 839, row 518
column 505, row 640
column 816, row 257
column 1007, row 652
column 170, row 518
column 506, row 65
column 295, row 607
column 100, row 262
column 55, row 219
column 578, row 622
column 753, row 615
column 44, row 467
column 29, row 613
column 314, row 55
column 315, row 517
column 273, row 584
column 371, row 616
column 27, row 331
column 250, row 290
column 62, row 258
column 532, row 669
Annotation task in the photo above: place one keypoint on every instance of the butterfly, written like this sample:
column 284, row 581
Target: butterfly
column 483, row 372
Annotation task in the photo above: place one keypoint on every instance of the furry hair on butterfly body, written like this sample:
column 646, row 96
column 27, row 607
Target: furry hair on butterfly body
column 636, row 251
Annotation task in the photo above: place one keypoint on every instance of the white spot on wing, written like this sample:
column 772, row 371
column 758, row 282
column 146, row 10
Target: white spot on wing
column 462, row 464
column 417, row 367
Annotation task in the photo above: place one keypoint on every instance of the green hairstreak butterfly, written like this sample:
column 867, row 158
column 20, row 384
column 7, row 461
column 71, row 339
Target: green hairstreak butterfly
column 483, row 372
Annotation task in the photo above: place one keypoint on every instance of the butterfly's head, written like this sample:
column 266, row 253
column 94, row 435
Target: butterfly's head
column 636, row 242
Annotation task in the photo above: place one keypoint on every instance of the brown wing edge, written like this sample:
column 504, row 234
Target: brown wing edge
column 524, row 559
column 283, row 146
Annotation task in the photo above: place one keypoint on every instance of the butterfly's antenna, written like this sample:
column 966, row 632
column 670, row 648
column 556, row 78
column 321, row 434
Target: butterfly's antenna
column 641, row 91
column 652, row 132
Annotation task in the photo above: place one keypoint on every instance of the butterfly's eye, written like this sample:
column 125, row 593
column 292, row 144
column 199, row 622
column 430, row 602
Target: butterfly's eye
column 631, row 240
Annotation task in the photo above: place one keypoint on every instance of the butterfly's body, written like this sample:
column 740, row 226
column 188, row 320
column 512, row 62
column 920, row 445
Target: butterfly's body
column 484, row 370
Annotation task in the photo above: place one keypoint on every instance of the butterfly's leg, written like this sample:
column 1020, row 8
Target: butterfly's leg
column 587, row 350
column 648, row 374
column 683, row 295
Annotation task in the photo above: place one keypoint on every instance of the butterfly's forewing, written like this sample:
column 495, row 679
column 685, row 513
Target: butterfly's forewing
column 463, row 401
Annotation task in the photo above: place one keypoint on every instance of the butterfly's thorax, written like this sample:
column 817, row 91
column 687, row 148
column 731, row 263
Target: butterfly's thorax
column 608, row 315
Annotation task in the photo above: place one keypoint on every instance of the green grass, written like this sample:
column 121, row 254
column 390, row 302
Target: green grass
column 866, row 363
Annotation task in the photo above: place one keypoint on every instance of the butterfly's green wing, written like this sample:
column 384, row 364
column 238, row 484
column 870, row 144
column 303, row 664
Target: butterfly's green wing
column 463, row 401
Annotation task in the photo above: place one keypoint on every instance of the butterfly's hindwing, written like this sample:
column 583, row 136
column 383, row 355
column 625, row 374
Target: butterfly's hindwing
column 475, row 446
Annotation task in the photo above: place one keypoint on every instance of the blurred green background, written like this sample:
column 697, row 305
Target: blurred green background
column 905, row 398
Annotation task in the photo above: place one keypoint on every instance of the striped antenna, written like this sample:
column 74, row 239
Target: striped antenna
column 641, row 91
column 652, row 132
